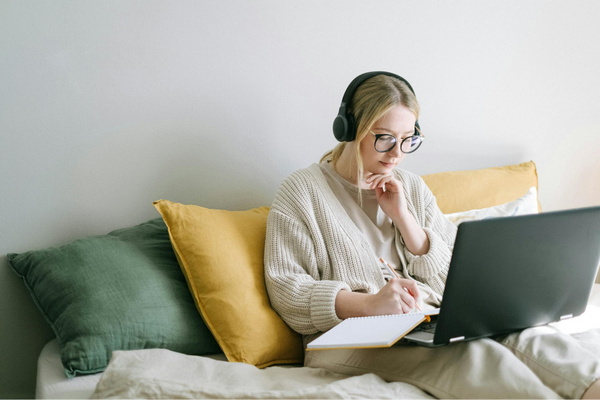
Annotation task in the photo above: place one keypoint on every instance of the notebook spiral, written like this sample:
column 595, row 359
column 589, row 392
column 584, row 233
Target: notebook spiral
column 387, row 315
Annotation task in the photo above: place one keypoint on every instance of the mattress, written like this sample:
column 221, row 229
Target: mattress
column 52, row 382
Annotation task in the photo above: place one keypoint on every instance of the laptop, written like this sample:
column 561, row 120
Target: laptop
column 510, row 273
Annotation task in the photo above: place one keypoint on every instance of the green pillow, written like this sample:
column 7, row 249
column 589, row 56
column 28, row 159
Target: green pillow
column 120, row 291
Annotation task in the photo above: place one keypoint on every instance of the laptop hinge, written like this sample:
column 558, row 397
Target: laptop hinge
column 457, row 339
column 566, row 316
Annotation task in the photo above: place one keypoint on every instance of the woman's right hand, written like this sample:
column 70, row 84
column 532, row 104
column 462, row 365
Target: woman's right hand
column 393, row 299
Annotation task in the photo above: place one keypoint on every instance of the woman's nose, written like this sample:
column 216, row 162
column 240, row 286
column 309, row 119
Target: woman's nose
column 396, row 152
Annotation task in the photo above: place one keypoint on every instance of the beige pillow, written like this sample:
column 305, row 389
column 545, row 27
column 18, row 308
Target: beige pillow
column 524, row 205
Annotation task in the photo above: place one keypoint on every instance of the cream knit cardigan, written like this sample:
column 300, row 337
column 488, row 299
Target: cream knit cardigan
column 313, row 249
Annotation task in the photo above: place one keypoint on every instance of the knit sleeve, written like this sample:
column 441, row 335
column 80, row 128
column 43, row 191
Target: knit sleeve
column 292, row 278
column 432, row 267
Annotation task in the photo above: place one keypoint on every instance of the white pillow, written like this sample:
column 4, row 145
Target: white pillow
column 521, row 206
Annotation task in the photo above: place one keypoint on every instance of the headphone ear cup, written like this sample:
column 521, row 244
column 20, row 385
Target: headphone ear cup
column 340, row 128
column 351, row 128
column 344, row 128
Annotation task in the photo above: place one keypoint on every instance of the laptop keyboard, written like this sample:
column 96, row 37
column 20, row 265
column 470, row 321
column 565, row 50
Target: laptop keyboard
column 429, row 328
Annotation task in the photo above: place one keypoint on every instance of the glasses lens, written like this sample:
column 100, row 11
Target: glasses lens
column 411, row 144
column 385, row 143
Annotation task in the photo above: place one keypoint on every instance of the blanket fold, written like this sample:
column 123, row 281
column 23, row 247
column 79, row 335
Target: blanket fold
column 160, row 373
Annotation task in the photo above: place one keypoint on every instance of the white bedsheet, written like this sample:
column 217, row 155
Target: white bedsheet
column 52, row 383
column 169, row 374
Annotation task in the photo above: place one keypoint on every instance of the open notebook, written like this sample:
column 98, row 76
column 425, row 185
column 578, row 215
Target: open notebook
column 370, row 332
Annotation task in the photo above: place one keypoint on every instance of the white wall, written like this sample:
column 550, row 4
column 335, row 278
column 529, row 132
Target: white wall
column 106, row 106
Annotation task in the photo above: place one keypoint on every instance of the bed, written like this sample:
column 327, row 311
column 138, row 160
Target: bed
column 132, row 370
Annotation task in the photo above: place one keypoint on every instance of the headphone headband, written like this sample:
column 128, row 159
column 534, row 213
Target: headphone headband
column 356, row 82
column 344, row 125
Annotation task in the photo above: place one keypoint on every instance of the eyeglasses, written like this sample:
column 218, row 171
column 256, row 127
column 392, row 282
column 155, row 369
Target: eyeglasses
column 386, row 142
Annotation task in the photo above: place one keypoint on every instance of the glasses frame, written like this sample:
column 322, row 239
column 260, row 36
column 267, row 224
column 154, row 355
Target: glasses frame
column 377, row 136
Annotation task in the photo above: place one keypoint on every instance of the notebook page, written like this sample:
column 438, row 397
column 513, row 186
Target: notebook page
column 376, row 331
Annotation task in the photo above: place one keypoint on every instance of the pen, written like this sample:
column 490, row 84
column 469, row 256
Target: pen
column 398, row 276
column 394, row 273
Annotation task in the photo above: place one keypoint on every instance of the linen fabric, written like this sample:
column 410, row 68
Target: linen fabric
column 119, row 291
column 163, row 374
column 535, row 363
column 313, row 249
column 221, row 255
column 524, row 205
column 475, row 189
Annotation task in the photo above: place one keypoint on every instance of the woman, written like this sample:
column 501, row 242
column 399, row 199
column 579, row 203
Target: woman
column 330, row 224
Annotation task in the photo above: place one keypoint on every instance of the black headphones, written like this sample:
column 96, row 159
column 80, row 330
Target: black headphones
column 344, row 125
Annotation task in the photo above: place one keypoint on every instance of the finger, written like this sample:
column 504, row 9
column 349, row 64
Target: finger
column 406, row 308
column 385, row 183
column 393, row 184
column 391, row 282
column 370, row 176
column 373, row 184
column 413, row 289
column 380, row 181
column 407, row 299
column 373, row 179
column 415, row 294
column 379, row 193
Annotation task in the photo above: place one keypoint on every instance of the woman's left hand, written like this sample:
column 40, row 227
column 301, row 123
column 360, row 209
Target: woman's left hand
column 392, row 201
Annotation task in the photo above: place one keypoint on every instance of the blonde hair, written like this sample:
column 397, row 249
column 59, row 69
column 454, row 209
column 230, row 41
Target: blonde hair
column 371, row 101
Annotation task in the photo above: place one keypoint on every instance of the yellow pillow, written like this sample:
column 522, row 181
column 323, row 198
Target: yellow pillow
column 221, row 255
column 467, row 190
